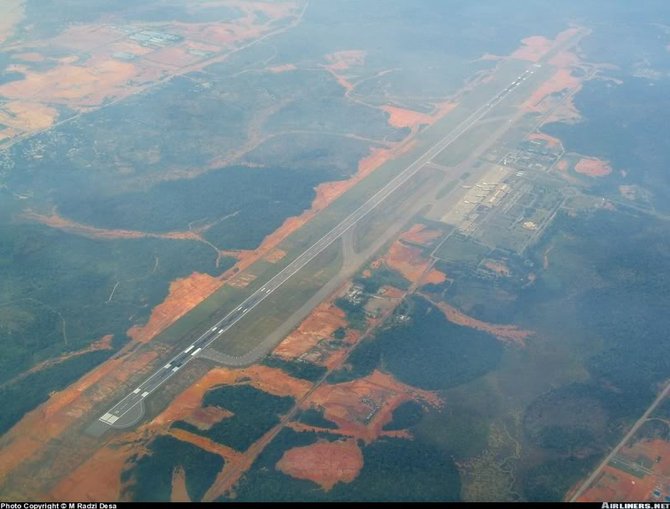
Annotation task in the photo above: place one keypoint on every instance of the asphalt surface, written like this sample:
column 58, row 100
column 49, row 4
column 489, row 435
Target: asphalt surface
column 130, row 409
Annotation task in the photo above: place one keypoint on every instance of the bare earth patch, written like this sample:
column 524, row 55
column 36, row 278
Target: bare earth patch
column 99, row 478
column 281, row 68
column 325, row 463
column 421, row 234
column 105, row 343
column 549, row 140
column 31, row 435
column 593, row 167
column 498, row 267
column 179, row 493
column 410, row 262
column 27, row 115
column 189, row 402
column 184, row 295
column 54, row 220
column 503, row 332
column 401, row 117
column 362, row 407
column 321, row 323
column 536, row 46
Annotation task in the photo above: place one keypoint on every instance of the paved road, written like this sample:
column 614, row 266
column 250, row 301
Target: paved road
column 625, row 439
column 129, row 410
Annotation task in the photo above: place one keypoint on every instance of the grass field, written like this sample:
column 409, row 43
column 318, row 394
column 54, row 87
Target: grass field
column 276, row 309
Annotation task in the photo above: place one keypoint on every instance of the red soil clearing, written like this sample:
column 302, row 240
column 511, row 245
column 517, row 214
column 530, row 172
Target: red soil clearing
column 205, row 444
column 325, row 463
column 321, row 323
column 434, row 277
column 40, row 426
column 275, row 381
column 56, row 221
column 391, row 292
column 409, row 261
column 593, row 167
column 502, row 332
column 275, row 255
column 327, row 192
column 549, row 140
column 103, row 344
column 565, row 60
column 282, row 68
column 189, row 402
column 184, row 295
column 561, row 80
column 27, row 115
column 362, row 407
column 79, row 87
column 443, row 108
column 205, row 418
column 533, row 48
column 498, row 267
column 615, row 484
column 343, row 60
column 99, row 478
column 84, row 84
column 401, row 117
column 179, row 492
column 536, row 46
column 542, row 101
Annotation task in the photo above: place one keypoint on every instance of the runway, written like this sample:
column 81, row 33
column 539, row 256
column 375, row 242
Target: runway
column 130, row 409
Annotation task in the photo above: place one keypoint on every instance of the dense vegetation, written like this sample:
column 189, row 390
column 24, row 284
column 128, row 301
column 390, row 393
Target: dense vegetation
column 609, row 271
column 151, row 474
column 549, row 481
column 60, row 291
column 432, row 353
column 637, row 143
column 625, row 302
column 361, row 362
column 22, row 396
column 456, row 429
column 383, row 276
column 297, row 368
column 356, row 315
column 430, row 473
column 244, row 204
column 405, row 416
column 428, row 352
column 393, row 465
column 314, row 417
column 255, row 412
column 263, row 482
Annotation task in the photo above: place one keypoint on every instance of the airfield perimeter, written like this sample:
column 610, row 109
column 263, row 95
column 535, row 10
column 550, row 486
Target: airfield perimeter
column 242, row 325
